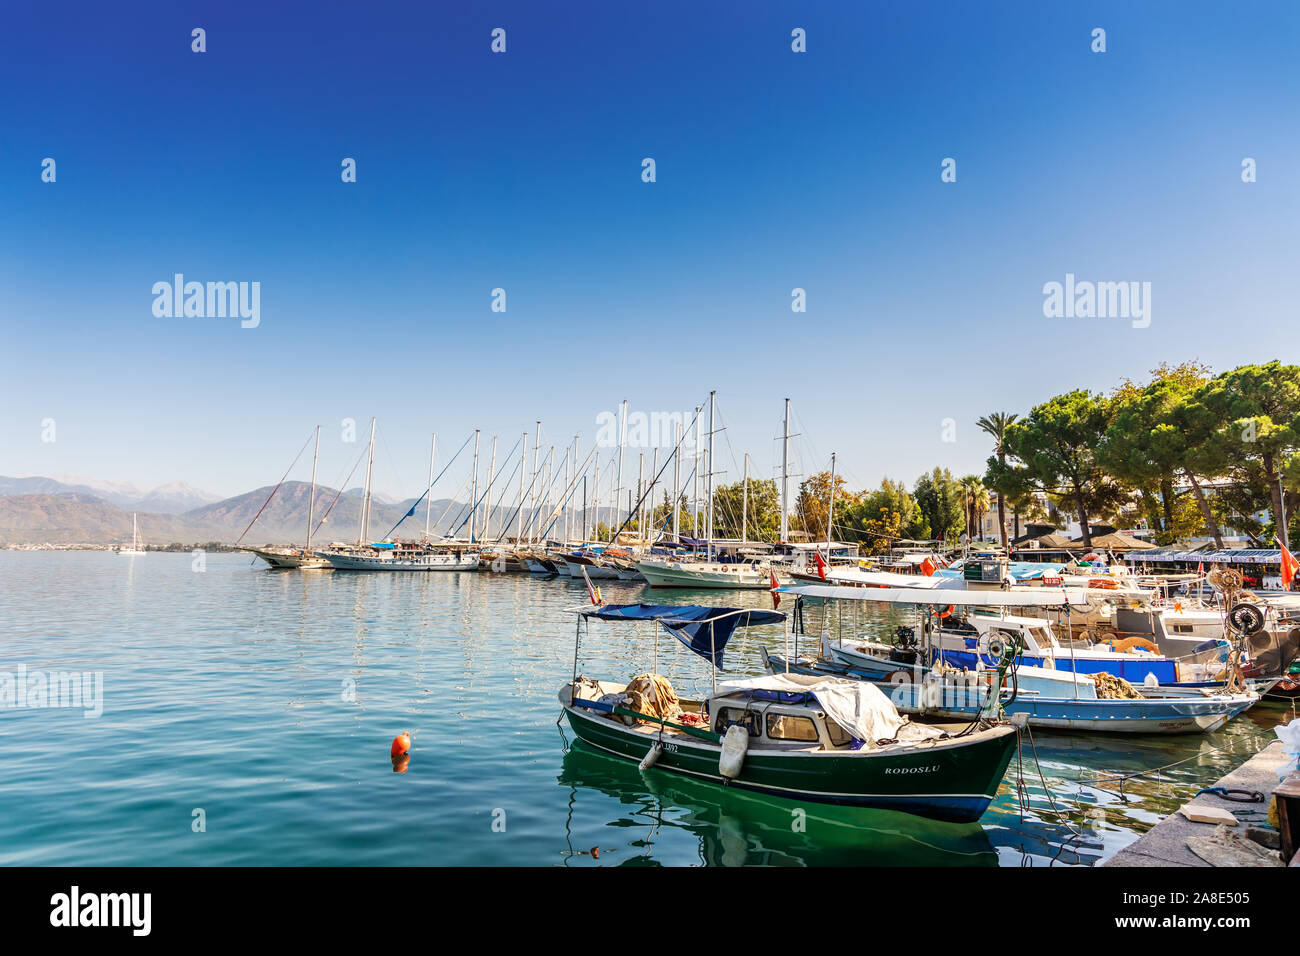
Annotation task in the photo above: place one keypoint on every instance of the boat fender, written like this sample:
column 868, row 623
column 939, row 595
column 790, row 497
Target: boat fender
column 1151, row 681
column 734, row 744
column 651, row 756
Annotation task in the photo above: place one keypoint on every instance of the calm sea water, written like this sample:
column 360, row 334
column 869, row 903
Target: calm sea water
column 247, row 717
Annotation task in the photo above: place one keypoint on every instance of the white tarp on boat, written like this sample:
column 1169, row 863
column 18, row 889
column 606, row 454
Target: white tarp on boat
column 857, row 706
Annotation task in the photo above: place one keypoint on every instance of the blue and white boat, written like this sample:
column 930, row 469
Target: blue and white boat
column 1045, row 698
column 1050, row 691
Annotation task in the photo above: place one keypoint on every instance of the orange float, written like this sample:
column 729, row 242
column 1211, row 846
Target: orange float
column 401, row 744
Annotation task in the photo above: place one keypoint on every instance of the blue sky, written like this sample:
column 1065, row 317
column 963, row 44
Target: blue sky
column 522, row 170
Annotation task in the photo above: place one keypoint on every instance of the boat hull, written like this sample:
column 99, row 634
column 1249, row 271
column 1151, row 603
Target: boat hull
column 1186, row 714
column 290, row 558
column 467, row 561
column 950, row 780
column 672, row 574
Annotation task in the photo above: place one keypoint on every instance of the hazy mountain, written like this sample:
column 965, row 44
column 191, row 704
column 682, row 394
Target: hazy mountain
column 173, row 498
column 30, row 515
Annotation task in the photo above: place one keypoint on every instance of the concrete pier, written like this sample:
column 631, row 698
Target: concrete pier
column 1165, row 844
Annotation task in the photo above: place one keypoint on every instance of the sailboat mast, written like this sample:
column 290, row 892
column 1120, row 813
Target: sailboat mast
column 135, row 533
column 830, row 508
column 677, row 483
column 473, row 493
column 650, row 496
column 695, row 475
column 534, row 490
column 311, row 500
column 618, row 480
column 428, row 494
column 595, row 521
column 575, row 478
column 523, row 470
column 744, row 504
column 364, row 531
column 492, row 474
column 785, row 475
column 708, row 479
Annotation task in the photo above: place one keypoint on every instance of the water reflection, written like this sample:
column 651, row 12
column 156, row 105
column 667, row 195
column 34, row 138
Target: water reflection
column 736, row 828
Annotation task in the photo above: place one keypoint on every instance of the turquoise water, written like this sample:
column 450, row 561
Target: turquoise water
column 262, row 704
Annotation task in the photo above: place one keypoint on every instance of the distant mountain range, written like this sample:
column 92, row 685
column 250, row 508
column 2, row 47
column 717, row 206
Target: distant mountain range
column 172, row 499
column 38, row 510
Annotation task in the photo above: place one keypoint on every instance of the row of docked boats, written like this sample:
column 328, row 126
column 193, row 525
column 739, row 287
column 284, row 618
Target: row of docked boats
column 926, row 723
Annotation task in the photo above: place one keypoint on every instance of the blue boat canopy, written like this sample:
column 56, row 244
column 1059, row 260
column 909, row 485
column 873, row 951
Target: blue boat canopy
column 705, row 630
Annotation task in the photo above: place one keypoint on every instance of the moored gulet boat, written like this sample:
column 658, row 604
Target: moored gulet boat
column 826, row 740
column 303, row 558
column 402, row 556
column 366, row 555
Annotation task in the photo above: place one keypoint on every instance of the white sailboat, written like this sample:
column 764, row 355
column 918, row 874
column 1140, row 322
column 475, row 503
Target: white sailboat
column 135, row 539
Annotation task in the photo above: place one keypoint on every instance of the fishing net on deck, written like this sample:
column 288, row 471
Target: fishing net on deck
column 652, row 694
column 1110, row 687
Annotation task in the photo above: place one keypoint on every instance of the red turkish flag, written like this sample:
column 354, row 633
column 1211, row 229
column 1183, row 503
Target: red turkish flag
column 821, row 565
column 776, row 597
column 1289, row 567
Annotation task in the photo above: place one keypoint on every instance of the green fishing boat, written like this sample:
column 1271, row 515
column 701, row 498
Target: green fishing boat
column 804, row 738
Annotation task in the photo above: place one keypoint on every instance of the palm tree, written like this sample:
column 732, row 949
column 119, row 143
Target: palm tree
column 996, row 425
column 974, row 496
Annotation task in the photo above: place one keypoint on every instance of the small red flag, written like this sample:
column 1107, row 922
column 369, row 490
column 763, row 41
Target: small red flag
column 928, row 567
column 821, row 565
column 776, row 597
column 1289, row 567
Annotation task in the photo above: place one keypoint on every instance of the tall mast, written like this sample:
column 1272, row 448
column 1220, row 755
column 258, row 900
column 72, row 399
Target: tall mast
column 564, row 525
column 523, row 468
column 311, row 501
column 473, row 493
column 744, row 504
column 428, row 494
column 547, row 496
column 650, row 496
column 533, row 489
column 618, row 480
column 785, row 475
column 695, row 476
column 640, row 496
column 492, row 474
column 364, row 531
column 830, row 508
column 575, row 479
column 595, row 522
column 708, row 479
column 135, row 533
column 677, row 482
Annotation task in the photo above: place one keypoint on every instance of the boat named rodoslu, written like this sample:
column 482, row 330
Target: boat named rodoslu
column 826, row 740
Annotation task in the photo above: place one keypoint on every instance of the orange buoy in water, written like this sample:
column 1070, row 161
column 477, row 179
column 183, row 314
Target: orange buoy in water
column 401, row 744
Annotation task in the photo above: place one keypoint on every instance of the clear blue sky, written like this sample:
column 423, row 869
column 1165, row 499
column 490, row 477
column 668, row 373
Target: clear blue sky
column 775, row 170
